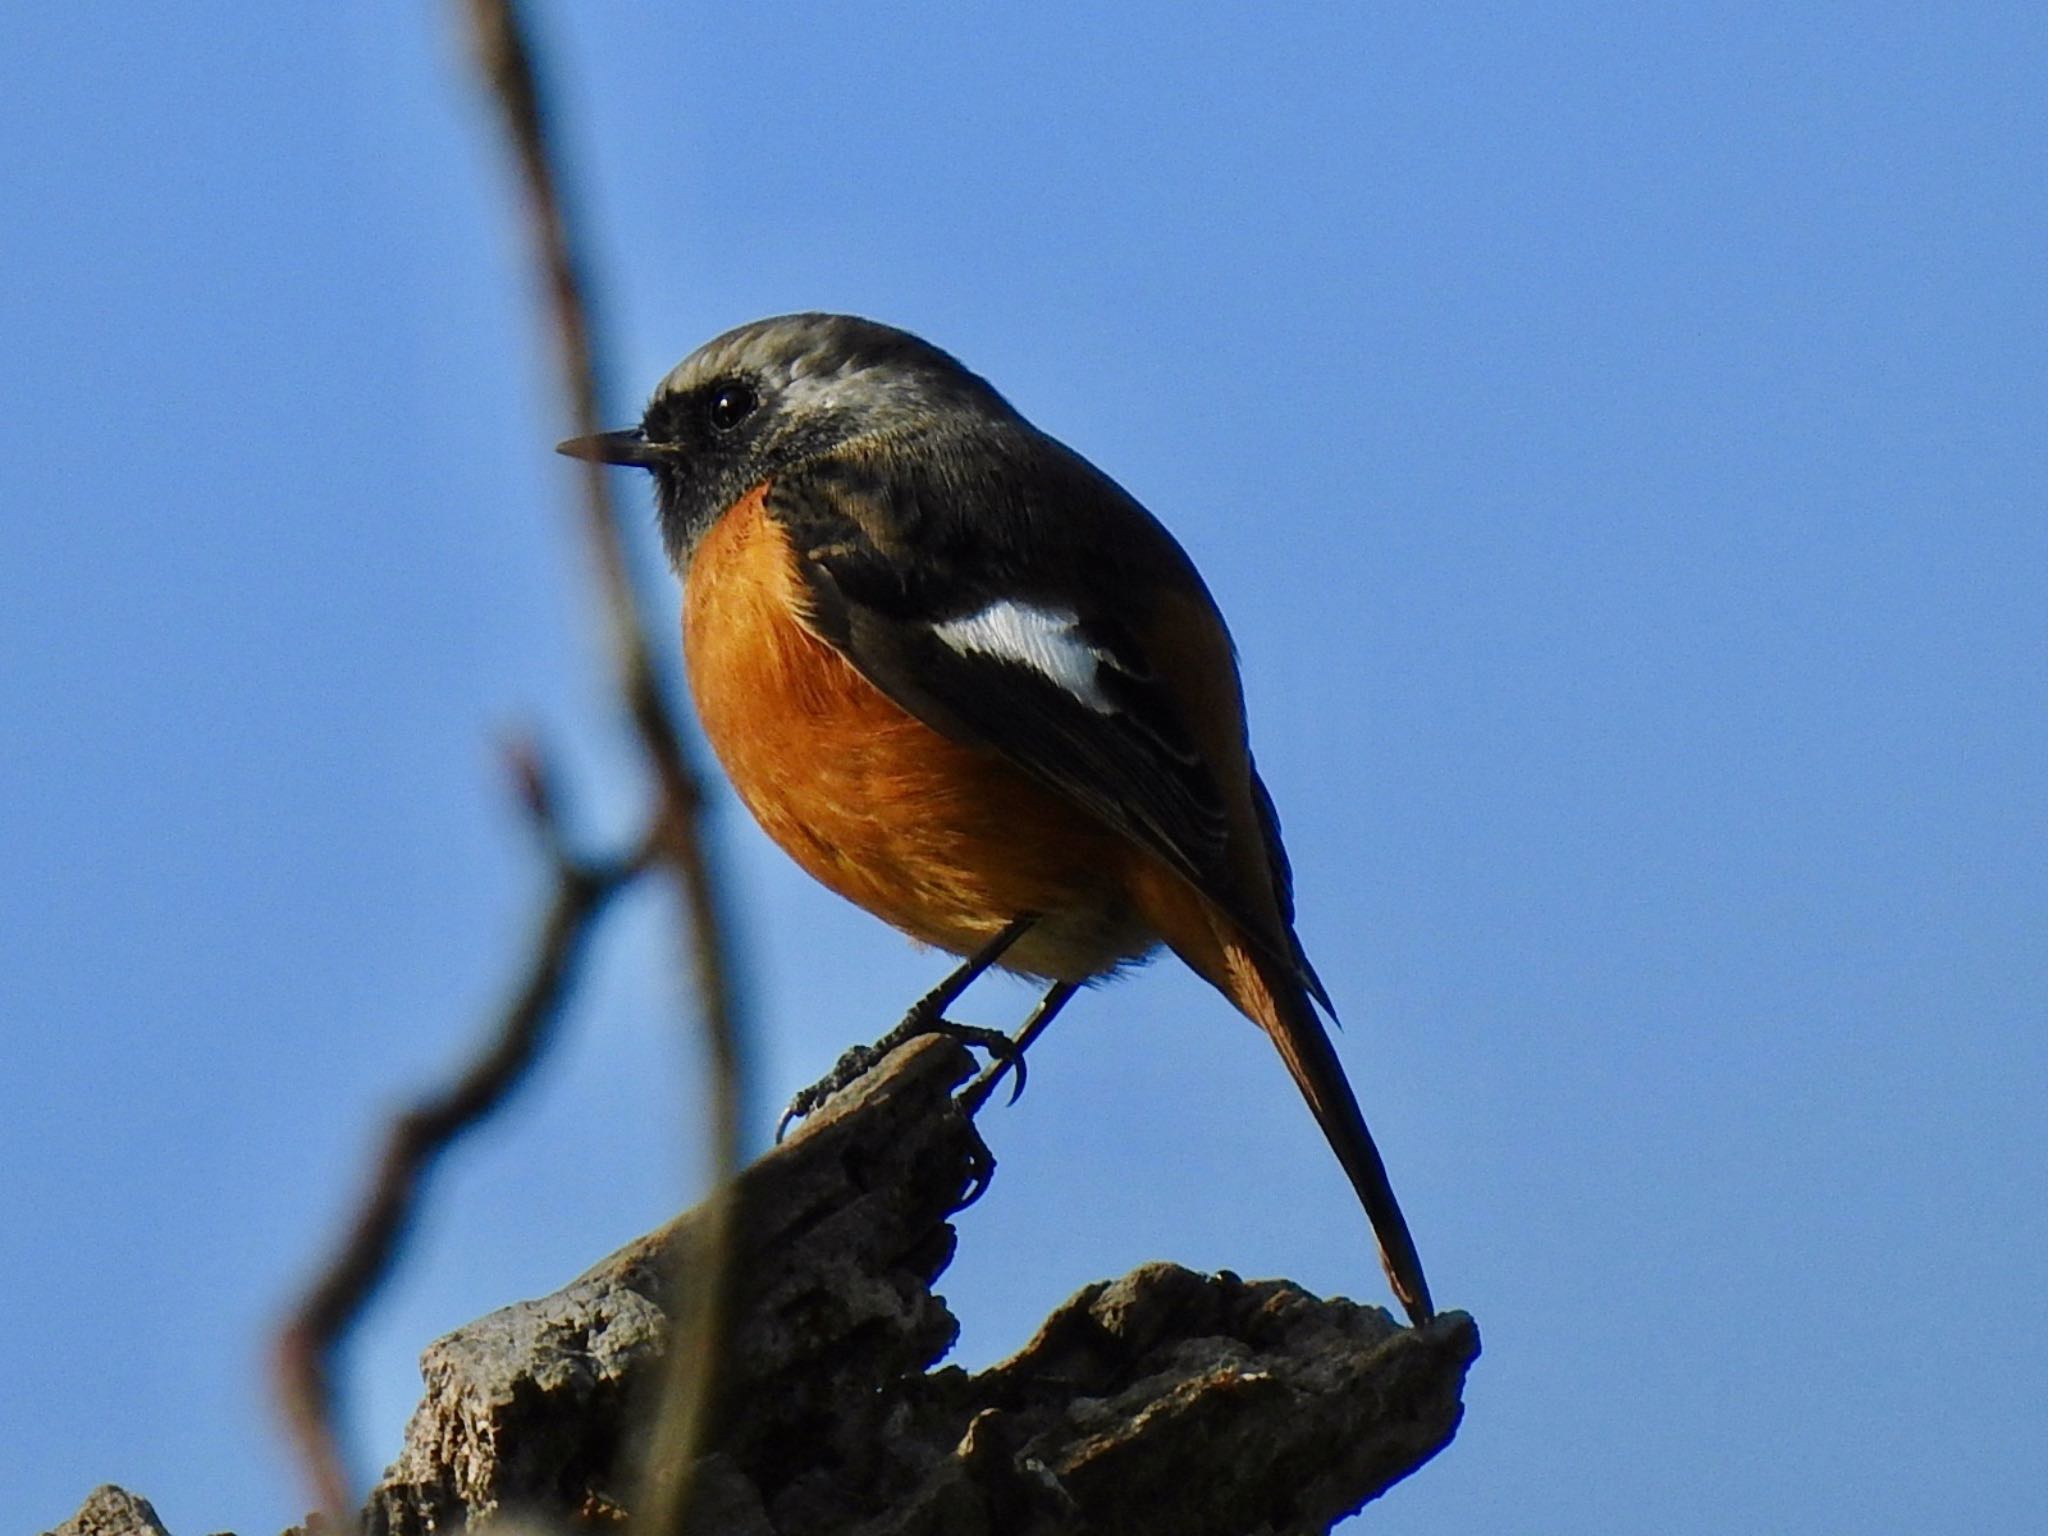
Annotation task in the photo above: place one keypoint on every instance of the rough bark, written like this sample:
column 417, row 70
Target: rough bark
column 111, row 1511
column 1164, row 1402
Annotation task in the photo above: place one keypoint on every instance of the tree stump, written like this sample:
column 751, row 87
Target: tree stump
column 1165, row 1401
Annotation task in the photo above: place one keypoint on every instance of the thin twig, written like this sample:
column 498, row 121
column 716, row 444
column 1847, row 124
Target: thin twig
column 506, row 58
column 305, row 1347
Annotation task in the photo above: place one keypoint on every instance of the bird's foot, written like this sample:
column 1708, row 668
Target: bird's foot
column 976, row 1093
column 981, row 1170
column 857, row 1061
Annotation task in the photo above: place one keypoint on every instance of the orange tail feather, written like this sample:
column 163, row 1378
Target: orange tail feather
column 1281, row 1006
column 1271, row 997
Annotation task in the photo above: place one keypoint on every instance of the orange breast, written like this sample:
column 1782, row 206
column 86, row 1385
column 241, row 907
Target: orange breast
column 947, row 841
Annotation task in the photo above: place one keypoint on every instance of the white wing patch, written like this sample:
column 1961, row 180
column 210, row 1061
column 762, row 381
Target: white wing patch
column 1047, row 640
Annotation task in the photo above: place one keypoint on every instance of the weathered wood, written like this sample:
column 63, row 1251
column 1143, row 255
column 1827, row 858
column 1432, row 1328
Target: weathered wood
column 111, row 1511
column 1165, row 1403
column 841, row 1231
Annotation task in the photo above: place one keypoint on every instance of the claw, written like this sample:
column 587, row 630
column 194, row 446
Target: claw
column 851, row 1065
column 927, row 1016
column 1012, row 1055
column 981, row 1169
column 994, row 1041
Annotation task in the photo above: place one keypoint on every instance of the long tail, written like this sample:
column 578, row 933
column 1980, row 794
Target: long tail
column 1280, row 1005
column 1266, row 990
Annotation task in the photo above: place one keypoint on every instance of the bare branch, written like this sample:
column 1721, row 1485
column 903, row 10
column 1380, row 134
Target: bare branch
column 506, row 58
column 305, row 1348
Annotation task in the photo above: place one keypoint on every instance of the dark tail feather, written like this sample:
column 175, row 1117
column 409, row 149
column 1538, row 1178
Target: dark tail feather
column 1281, row 1007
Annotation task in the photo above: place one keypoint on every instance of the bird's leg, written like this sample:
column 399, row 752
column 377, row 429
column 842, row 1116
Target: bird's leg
column 976, row 1093
column 928, row 1013
column 927, row 1016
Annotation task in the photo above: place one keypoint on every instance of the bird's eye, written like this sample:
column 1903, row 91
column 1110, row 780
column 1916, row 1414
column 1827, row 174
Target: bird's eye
column 731, row 403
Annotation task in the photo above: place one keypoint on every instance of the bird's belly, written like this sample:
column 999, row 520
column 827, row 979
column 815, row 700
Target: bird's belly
column 947, row 841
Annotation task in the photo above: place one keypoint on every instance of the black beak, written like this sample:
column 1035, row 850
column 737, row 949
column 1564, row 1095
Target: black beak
column 627, row 447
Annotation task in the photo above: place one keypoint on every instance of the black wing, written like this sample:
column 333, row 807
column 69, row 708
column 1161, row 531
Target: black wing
column 890, row 561
column 1283, row 891
column 887, row 570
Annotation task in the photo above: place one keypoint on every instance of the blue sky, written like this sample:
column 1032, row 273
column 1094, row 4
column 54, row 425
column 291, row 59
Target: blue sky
column 1617, row 436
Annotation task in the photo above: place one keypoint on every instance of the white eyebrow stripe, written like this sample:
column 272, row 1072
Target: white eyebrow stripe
column 1047, row 640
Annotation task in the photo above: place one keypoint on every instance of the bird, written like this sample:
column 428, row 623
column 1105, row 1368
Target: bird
column 966, row 681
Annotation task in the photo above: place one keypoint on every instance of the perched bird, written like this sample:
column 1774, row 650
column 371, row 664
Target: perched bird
column 970, row 684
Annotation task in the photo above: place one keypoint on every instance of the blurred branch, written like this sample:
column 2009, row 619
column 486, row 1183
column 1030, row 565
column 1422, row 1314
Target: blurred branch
column 506, row 58
column 305, row 1347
